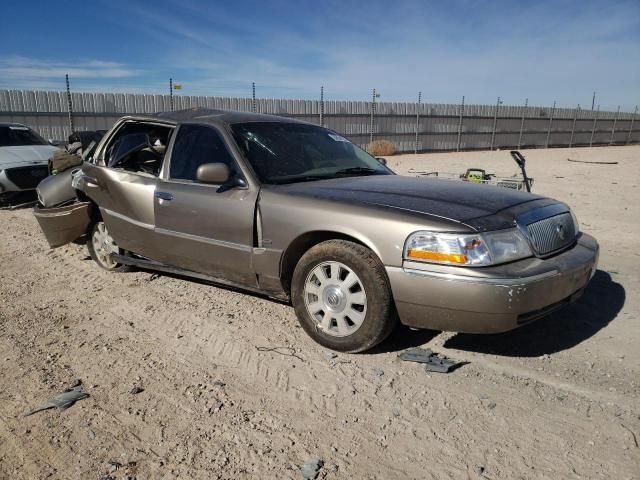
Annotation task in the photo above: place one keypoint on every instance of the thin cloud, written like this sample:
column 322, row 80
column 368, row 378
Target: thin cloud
column 36, row 69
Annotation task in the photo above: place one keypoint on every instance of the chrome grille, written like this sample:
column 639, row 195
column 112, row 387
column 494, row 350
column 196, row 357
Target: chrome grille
column 551, row 234
column 27, row 177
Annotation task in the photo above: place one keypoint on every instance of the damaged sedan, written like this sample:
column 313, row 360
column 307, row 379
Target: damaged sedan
column 294, row 211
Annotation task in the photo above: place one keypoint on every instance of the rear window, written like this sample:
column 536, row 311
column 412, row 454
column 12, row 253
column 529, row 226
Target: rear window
column 17, row 136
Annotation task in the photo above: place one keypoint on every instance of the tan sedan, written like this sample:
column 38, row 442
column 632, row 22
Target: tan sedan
column 294, row 211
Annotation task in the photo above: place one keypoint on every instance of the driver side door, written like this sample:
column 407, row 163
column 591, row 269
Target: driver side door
column 204, row 227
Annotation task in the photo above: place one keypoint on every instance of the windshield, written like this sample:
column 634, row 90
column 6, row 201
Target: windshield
column 292, row 152
column 17, row 136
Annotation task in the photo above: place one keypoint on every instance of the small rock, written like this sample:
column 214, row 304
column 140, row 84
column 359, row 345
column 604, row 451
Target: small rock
column 136, row 390
column 377, row 372
column 215, row 407
column 311, row 468
column 479, row 470
column 330, row 355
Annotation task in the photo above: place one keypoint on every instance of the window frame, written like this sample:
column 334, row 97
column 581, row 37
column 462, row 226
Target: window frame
column 107, row 140
column 165, row 172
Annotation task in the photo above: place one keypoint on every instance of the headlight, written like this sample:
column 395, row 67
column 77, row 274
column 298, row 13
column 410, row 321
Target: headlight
column 474, row 250
column 576, row 225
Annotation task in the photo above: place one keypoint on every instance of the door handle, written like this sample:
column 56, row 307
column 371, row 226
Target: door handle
column 163, row 195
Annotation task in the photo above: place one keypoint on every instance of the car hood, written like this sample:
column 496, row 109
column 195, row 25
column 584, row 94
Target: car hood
column 482, row 207
column 25, row 155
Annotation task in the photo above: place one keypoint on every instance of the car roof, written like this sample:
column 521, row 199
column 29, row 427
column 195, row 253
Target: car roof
column 13, row 124
column 214, row 116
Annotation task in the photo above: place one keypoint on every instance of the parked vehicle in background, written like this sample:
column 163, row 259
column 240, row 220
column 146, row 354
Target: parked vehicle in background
column 294, row 211
column 23, row 160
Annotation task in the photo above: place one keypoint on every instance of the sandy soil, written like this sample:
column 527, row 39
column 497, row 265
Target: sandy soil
column 556, row 399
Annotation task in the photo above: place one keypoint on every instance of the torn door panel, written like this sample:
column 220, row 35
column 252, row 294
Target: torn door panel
column 62, row 225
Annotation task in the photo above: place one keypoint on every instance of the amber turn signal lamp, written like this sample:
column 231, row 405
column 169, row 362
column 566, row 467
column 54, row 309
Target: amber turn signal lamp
column 437, row 257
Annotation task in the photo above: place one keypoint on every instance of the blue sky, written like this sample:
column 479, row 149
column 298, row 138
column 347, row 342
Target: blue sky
column 543, row 50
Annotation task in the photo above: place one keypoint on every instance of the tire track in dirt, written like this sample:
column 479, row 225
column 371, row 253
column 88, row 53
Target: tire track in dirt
column 442, row 418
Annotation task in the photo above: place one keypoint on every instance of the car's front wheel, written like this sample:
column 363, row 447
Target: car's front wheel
column 342, row 297
column 101, row 246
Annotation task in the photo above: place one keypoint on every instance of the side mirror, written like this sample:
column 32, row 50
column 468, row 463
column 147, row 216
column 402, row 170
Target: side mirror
column 383, row 161
column 216, row 173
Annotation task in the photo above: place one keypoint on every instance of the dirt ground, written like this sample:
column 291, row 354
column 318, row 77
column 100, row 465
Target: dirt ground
column 233, row 388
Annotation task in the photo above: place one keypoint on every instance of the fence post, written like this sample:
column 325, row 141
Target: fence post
column 253, row 97
column 524, row 111
column 593, row 101
column 613, row 129
column 460, row 125
column 69, row 103
column 415, row 145
column 573, row 127
column 171, row 93
column 322, row 106
column 495, row 122
column 553, row 110
column 593, row 129
column 633, row 117
column 373, row 112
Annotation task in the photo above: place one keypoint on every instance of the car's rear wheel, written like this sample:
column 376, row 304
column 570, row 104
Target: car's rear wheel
column 342, row 297
column 101, row 245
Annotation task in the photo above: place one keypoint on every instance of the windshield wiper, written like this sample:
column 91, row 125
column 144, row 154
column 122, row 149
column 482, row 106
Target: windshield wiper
column 327, row 176
column 301, row 178
column 358, row 171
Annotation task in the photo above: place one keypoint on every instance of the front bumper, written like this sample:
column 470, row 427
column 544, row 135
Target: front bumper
column 492, row 299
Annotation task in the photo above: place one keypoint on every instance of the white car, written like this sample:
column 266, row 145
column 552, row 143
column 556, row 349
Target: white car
column 23, row 160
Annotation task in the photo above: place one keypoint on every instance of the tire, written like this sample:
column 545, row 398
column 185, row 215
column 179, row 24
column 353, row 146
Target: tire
column 342, row 298
column 100, row 245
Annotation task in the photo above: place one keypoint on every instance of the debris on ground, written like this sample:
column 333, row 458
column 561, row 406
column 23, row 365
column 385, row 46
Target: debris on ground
column 286, row 351
column 215, row 406
column 153, row 277
column 62, row 401
column 592, row 162
column 311, row 468
column 136, row 390
column 432, row 361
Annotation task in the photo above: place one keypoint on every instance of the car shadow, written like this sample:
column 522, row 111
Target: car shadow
column 402, row 338
column 22, row 200
column 600, row 304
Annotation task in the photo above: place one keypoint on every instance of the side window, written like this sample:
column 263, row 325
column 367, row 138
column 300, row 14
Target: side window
column 196, row 145
column 138, row 147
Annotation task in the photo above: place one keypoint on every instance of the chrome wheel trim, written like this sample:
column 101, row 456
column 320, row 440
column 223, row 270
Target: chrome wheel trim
column 335, row 298
column 104, row 246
